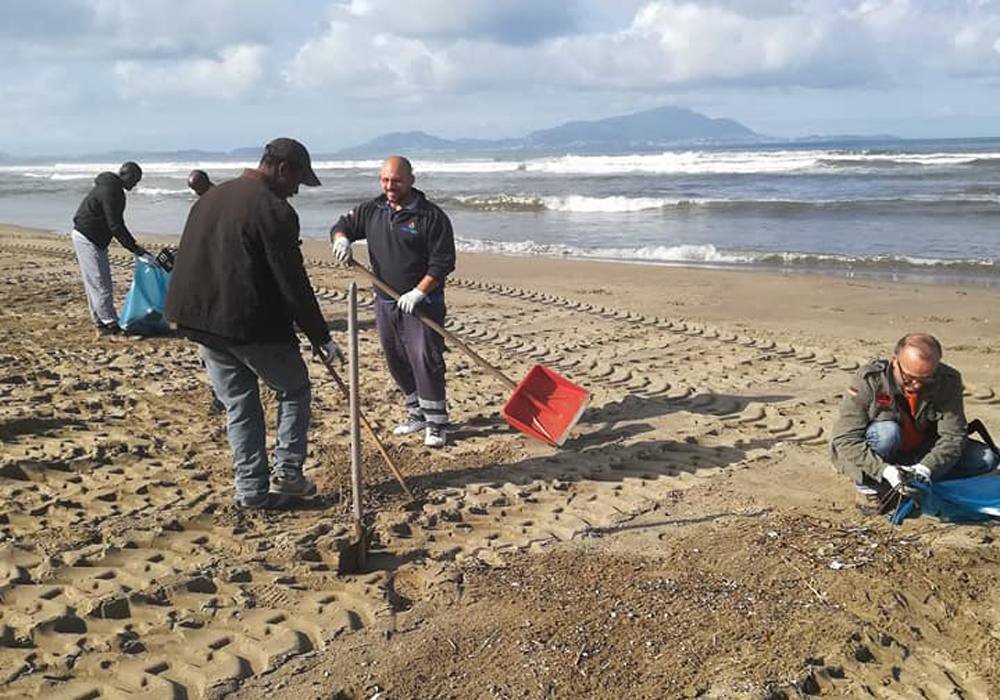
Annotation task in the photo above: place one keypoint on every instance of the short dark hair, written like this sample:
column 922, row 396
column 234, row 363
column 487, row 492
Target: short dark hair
column 926, row 345
column 130, row 167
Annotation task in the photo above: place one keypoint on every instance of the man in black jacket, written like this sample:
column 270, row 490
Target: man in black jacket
column 238, row 284
column 100, row 218
column 412, row 248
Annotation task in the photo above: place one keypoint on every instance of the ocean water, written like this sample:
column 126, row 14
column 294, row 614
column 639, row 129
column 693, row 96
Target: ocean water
column 915, row 210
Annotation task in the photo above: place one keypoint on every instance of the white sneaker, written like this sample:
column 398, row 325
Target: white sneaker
column 410, row 426
column 435, row 436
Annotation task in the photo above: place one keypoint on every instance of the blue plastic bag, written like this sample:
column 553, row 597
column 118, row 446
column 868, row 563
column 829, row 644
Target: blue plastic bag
column 974, row 499
column 143, row 310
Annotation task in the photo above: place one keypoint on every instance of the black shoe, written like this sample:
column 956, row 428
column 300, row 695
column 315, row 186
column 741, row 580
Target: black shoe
column 296, row 485
column 268, row 501
column 108, row 329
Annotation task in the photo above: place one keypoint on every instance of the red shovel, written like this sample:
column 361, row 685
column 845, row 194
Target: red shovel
column 544, row 405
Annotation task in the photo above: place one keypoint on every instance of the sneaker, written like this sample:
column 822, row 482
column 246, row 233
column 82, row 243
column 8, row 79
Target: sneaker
column 869, row 500
column 410, row 426
column 296, row 485
column 435, row 436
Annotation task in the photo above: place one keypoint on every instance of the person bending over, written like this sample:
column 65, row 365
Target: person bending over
column 98, row 219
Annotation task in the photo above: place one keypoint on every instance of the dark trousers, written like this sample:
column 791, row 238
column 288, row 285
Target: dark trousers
column 414, row 355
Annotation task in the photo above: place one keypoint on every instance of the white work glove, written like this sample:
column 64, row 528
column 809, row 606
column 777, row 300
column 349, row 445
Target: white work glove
column 147, row 258
column 408, row 302
column 920, row 473
column 331, row 351
column 342, row 250
column 894, row 476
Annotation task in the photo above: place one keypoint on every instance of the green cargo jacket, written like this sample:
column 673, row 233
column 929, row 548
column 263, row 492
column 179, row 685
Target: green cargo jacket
column 873, row 396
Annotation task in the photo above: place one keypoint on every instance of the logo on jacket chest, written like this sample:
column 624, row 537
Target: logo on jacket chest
column 409, row 227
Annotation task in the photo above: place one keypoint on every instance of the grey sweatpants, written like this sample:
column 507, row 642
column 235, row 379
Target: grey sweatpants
column 414, row 355
column 96, row 271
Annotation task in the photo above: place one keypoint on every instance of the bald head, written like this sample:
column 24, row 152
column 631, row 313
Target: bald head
column 398, row 163
column 397, row 180
column 915, row 361
column 922, row 345
column 198, row 181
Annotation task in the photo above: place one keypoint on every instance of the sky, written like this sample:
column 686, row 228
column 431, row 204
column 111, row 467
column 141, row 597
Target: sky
column 87, row 76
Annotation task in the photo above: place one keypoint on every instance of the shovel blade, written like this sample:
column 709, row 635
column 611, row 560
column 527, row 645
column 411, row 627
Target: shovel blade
column 545, row 405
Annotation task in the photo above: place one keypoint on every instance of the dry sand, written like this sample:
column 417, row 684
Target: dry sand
column 690, row 540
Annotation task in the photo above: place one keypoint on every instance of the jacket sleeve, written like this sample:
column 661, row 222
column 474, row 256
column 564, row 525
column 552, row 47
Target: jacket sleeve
column 113, row 203
column 351, row 224
column 281, row 245
column 849, row 444
column 440, row 247
column 951, row 428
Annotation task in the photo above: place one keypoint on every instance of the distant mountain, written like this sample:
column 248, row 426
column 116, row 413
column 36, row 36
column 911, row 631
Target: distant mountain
column 419, row 142
column 652, row 129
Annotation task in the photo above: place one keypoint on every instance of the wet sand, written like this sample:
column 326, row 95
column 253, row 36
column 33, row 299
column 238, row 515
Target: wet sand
column 689, row 540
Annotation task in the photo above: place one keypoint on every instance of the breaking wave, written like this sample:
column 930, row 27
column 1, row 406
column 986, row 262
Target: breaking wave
column 576, row 203
column 710, row 255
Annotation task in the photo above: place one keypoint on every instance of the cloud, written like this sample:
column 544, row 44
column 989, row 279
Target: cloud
column 26, row 20
column 368, row 65
column 234, row 73
column 679, row 43
column 365, row 64
column 516, row 22
column 667, row 44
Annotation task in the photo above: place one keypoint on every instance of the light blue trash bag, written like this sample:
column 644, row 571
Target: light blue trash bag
column 974, row 499
column 143, row 310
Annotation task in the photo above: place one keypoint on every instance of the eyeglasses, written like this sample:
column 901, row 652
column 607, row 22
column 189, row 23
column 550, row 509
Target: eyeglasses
column 913, row 380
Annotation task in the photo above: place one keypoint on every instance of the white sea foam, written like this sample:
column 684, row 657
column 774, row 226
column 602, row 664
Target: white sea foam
column 668, row 162
column 708, row 254
column 162, row 191
column 580, row 203
column 59, row 176
column 676, row 254
column 567, row 203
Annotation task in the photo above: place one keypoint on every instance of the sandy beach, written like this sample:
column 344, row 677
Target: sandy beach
column 690, row 539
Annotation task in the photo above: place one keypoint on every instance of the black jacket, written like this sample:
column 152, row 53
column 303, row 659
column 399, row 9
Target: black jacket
column 238, row 276
column 404, row 245
column 101, row 214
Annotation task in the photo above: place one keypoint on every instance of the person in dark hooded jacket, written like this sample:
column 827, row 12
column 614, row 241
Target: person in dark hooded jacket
column 100, row 218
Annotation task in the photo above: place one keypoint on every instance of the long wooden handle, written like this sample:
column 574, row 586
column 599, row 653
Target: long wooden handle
column 441, row 330
column 354, row 404
column 369, row 428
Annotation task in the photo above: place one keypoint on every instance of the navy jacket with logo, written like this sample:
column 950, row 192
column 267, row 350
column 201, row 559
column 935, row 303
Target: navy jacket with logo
column 403, row 245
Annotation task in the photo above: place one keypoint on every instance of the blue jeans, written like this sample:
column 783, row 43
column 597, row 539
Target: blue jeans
column 885, row 437
column 234, row 372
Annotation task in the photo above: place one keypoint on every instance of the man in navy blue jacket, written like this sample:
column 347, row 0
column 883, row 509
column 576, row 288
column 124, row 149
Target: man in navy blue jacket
column 412, row 248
